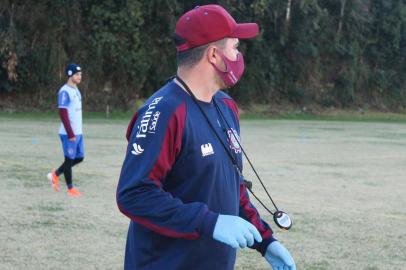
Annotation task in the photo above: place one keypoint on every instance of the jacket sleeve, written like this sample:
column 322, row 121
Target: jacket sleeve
column 154, row 144
column 250, row 213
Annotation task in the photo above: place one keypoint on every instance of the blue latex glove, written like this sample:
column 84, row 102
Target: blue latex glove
column 279, row 257
column 235, row 231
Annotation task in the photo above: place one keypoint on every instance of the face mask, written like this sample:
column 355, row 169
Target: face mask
column 234, row 69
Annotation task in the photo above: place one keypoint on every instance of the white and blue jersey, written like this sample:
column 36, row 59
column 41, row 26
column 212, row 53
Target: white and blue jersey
column 175, row 181
column 70, row 98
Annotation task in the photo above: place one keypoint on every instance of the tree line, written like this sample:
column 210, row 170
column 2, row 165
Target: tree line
column 341, row 53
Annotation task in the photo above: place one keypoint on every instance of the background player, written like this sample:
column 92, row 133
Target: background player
column 70, row 131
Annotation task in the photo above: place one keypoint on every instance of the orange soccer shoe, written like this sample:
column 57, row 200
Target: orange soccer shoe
column 54, row 179
column 73, row 192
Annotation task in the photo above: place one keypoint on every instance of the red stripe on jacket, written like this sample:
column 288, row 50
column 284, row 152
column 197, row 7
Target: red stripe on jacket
column 130, row 126
column 252, row 214
column 171, row 145
column 158, row 229
column 233, row 106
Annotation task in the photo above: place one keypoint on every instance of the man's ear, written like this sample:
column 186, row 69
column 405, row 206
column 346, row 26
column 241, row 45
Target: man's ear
column 212, row 55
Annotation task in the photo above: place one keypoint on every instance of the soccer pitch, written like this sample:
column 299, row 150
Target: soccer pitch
column 343, row 183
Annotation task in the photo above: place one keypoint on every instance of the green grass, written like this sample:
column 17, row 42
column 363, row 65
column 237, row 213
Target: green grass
column 339, row 115
column 350, row 116
column 52, row 115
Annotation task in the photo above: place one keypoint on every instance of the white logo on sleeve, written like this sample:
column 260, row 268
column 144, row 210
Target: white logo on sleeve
column 149, row 120
column 137, row 149
column 207, row 149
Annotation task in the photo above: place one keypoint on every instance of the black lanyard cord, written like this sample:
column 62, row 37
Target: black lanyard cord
column 247, row 183
column 246, row 156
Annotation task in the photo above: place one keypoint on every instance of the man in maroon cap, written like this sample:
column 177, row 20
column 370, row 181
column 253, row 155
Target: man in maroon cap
column 181, row 182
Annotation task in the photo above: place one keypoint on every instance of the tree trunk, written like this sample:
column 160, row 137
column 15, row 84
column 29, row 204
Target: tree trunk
column 288, row 7
column 340, row 22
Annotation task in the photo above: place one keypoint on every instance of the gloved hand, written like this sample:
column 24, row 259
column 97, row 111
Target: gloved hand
column 235, row 231
column 279, row 257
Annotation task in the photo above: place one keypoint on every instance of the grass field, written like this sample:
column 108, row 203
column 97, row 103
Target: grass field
column 343, row 182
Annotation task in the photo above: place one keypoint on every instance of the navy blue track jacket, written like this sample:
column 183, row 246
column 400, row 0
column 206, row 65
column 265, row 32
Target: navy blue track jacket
column 175, row 181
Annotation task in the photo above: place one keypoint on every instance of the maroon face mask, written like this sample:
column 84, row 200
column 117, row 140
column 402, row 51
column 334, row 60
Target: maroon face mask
column 234, row 69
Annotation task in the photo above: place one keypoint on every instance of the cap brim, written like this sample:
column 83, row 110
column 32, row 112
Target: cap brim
column 245, row 30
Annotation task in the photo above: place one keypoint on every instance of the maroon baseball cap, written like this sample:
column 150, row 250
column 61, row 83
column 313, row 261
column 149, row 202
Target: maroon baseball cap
column 205, row 24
